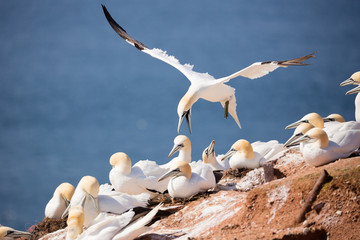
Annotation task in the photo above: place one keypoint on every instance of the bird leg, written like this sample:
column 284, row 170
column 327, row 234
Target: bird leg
column 226, row 109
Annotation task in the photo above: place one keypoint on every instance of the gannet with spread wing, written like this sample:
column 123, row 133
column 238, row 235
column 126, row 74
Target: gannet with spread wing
column 203, row 85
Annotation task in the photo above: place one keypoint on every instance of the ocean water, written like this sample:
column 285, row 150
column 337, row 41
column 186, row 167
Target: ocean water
column 72, row 92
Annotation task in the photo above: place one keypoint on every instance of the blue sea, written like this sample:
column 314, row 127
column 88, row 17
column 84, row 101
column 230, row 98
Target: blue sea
column 72, row 92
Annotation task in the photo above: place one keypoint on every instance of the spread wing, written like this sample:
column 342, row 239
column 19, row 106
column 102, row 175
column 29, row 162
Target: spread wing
column 255, row 70
column 260, row 69
column 185, row 69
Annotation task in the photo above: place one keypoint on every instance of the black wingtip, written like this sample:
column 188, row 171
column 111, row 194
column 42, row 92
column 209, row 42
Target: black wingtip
column 120, row 31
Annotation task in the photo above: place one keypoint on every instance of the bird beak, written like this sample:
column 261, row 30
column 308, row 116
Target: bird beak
column 171, row 173
column 293, row 138
column 299, row 140
column 328, row 120
column 295, row 124
column 354, row 90
column 348, row 81
column 187, row 115
column 211, row 148
column 17, row 234
column 175, row 149
column 228, row 154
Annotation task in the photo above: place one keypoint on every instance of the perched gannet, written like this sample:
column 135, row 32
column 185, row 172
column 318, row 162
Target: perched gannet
column 110, row 226
column 7, row 233
column 318, row 149
column 117, row 203
column 242, row 154
column 185, row 183
column 85, row 196
column 75, row 221
column 204, row 85
column 60, row 200
column 299, row 132
column 132, row 180
column 208, row 156
column 314, row 118
column 355, row 80
column 182, row 144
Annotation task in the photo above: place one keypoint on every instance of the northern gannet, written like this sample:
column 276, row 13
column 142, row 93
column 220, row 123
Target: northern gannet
column 209, row 157
column 243, row 155
column 7, row 233
column 184, row 182
column 354, row 80
column 117, row 227
column 314, row 118
column 75, row 221
column 60, row 201
column 203, row 85
column 182, row 144
column 85, row 197
column 318, row 149
column 132, row 180
column 298, row 133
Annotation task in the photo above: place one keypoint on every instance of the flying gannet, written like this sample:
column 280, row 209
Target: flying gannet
column 203, row 85
column 354, row 80
column 7, row 233
column 184, row 182
column 60, row 201
column 318, row 149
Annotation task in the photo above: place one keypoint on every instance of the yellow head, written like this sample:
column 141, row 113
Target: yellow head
column 334, row 117
column 313, row 118
column 9, row 233
column 303, row 128
column 356, row 77
column 65, row 190
column 184, row 110
column 75, row 222
column 314, row 135
column 242, row 147
column 180, row 168
column 90, row 185
column 208, row 155
column 181, row 142
column 121, row 161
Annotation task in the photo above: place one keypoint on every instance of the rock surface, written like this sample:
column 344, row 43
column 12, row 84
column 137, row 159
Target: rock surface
column 243, row 206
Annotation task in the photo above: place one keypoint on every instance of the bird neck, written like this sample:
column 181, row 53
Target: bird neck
column 185, row 154
column 357, row 107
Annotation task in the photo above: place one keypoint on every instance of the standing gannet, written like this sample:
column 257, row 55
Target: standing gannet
column 185, row 183
column 85, row 196
column 354, row 80
column 204, row 85
column 209, row 157
column 298, row 133
column 60, row 200
column 132, row 180
column 242, row 155
column 7, row 233
column 318, row 149
column 182, row 144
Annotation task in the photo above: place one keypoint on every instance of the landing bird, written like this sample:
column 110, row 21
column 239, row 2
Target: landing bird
column 60, row 201
column 318, row 149
column 204, row 85
column 354, row 80
column 7, row 233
